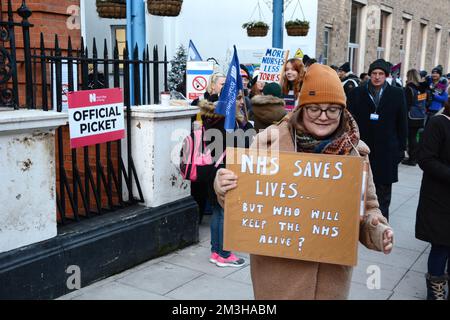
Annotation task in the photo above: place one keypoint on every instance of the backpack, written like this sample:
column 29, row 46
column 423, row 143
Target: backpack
column 196, row 161
column 418, row 109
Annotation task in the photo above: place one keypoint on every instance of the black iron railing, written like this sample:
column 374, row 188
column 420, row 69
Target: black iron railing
column 87, row 185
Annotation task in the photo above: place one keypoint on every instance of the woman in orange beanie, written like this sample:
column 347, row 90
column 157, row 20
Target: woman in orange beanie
column 321, row 124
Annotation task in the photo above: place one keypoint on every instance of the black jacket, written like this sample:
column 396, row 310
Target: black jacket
column 386, row 137
column 349, row 83
column 433, row 213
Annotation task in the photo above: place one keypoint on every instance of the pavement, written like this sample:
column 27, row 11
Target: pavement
column 187, row 274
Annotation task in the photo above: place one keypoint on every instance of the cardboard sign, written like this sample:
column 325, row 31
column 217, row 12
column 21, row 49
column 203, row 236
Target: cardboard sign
column 95, row 116
column 198, row 74
column 272, row 65
column 295, row 205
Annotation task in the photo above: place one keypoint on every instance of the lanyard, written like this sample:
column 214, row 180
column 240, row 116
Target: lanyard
column 373, row 99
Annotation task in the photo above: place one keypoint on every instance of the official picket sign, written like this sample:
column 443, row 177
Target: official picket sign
column 197, row 78
column 295, row 205
column 95, row 116
column 272, row 65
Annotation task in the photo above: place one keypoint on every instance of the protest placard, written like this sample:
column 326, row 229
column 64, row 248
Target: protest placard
column 272, row 65
column 295, row 205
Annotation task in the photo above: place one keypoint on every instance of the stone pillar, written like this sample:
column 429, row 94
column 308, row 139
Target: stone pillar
column 157, row 134
column 27, row 175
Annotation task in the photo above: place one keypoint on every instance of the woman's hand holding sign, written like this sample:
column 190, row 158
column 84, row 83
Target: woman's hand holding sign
column 225, row 181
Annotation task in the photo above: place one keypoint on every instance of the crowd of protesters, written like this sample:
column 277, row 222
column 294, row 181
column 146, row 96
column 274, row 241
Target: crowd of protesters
column 373, row 116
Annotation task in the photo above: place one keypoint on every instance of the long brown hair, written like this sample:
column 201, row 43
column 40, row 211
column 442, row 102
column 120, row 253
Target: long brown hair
column 298, row 66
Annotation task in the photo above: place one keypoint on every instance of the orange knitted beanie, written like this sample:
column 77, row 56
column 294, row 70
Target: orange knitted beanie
column 322, row 85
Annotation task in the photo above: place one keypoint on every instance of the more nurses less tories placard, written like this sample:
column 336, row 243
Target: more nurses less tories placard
column 295, row 205
column 95, row 116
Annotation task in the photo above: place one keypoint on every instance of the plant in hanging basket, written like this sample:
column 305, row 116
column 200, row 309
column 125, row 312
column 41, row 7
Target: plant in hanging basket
column 297, row 28
column 112, row 9
column 168, row 8
column 256, row 28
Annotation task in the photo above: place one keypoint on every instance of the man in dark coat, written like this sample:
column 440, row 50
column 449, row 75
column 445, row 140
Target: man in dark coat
column 380, row 111
column 348, row 79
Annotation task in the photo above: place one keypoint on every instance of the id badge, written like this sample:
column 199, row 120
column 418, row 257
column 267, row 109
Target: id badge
column 374, row 117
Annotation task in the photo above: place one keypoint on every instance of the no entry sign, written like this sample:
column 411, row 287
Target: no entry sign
column 95, row 116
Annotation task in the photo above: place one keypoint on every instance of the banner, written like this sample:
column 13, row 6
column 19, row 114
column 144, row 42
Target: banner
column 295, row 205
column 227, row 101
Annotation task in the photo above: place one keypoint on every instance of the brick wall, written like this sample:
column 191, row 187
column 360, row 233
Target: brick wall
column 337, row 14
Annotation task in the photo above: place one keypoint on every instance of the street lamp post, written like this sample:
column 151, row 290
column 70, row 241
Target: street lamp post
column 278, row 12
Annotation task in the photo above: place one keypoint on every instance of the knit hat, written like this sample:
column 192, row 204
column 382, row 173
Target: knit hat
column 244, row 72
column 448, row 75
column 305, row 59
column 272, row 89
column 382, row 65
column 423, row 73
column 438, row 69
column 322, row 85
column 345, row 67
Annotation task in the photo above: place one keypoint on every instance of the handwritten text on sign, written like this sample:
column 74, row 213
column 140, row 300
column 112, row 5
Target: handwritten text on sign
column 95, row 116
column 272, row 65
column 294, row 205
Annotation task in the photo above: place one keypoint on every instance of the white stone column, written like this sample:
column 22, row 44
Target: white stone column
column 27, row 175
column 157, row 135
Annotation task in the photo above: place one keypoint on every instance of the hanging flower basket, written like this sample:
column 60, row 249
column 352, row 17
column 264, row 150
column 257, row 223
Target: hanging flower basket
column 168, row 8
column 112, row 9
column 256, row 29
column 297, row 28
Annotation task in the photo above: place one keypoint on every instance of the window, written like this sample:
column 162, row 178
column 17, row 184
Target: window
column 448, row 65
column 326, row 45
column 438, row 33
column 384, row 35
column 423, row 45
column 119, row 34
column 353, row 45
column 405, row 44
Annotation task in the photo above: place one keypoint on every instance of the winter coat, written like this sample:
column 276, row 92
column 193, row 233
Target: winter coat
column 267, row 110
column 350, row 82
column 416, row 103
column 433, row 212
column 211, row 120
column 439, row 98
column 288, row 279
column 386, row 137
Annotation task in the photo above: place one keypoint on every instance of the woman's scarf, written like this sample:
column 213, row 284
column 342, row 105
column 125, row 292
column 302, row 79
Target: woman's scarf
column 341, row 142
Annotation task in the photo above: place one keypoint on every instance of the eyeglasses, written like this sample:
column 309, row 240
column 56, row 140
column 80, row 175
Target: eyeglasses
column 315, row 112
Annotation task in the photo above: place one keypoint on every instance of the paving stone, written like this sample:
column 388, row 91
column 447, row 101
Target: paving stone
column 160, row 278
column 389, row 276
column 361, row 292
column 242, row 275
column 401, row 296
column 413, row 284
column 118, row 291
column 399, row 257
column 208, row 287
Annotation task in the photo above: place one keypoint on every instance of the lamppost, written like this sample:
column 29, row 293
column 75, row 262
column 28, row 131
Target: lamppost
column 135, row 33
column 278, row 12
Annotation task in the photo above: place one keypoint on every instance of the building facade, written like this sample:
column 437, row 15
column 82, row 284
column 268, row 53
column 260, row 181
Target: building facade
column 415, row 33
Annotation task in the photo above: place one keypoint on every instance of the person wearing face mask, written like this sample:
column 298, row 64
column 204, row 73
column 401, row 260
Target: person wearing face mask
column 291, row 82
column 321, row 124
column 381, row 113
